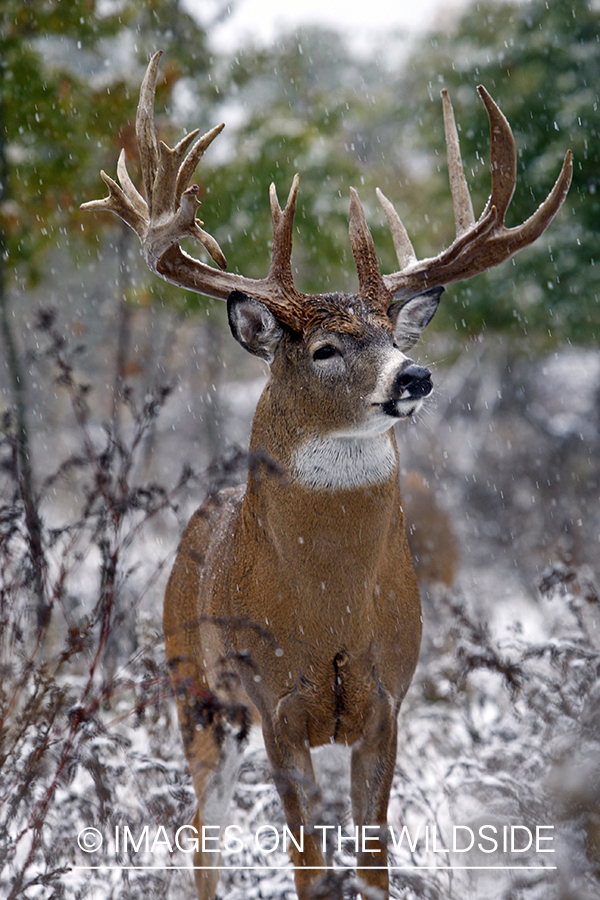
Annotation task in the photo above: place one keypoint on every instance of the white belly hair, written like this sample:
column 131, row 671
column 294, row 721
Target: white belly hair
column 343, row 461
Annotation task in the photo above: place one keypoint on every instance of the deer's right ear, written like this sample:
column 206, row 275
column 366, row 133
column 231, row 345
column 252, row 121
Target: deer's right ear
column 253, row 326
column 412, row 317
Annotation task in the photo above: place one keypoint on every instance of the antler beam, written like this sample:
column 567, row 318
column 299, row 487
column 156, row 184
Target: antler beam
column 481, row 244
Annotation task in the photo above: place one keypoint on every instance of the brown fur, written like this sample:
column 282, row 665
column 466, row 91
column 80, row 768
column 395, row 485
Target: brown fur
column 431, row 538
column 303, row 605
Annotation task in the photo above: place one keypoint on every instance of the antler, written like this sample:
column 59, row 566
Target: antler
column 168, row 214
column 478, row 245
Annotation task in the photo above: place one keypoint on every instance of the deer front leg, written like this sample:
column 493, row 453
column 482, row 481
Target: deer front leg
column 372, row 771
column 214, row 750
column 213, row 712
column 289, row 756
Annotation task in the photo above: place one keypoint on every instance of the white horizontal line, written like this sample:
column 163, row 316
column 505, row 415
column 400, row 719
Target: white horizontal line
column 326, row 869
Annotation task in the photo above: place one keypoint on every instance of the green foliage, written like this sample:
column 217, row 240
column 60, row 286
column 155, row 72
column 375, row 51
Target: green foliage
column 45, row 112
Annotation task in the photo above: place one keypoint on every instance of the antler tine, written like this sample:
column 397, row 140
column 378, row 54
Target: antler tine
column 189, row 164
column 370, row 281
column 170, row 160
column 144, row 128
column 283, row 224
column 284, row 299
column 503, row 155
column 537, row 223
column 126, row 207
column 478, row 245
column 175, row 168
column 402, row 243
column 134, row 196
column 464, row 216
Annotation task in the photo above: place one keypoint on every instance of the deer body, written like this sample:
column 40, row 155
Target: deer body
column 295, row 599
column 305, row 591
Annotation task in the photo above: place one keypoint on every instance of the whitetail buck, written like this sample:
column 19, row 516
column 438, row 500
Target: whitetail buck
column 295, row 595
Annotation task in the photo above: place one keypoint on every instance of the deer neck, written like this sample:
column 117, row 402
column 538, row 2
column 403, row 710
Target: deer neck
column 337, row 493
column 309, row 460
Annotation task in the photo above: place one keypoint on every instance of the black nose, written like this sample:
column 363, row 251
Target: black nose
column 414, row 379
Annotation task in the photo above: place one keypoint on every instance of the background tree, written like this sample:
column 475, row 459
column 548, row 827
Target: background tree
column 65, row 95
column 38, row 158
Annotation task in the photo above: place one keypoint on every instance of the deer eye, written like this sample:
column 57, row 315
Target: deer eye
column 326, row 352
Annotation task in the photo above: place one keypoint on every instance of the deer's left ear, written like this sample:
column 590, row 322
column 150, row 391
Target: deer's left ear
column 253, row 325
column 410, row 319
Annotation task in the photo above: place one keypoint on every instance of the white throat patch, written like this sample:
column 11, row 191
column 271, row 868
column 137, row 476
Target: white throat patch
column 344, row 462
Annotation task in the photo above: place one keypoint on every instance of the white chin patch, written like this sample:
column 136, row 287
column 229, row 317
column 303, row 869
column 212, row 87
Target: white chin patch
column 335, row 462
column 408, row 407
